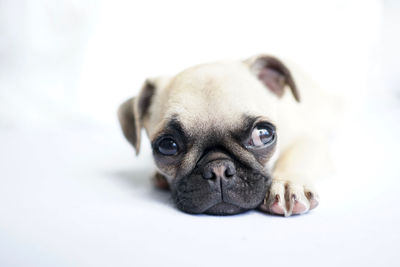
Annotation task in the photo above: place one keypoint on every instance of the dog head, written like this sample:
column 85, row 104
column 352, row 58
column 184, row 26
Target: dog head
column 212, row 130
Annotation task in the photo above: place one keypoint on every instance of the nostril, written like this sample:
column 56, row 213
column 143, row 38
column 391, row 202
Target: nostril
column 230, row 171
column 208, row 174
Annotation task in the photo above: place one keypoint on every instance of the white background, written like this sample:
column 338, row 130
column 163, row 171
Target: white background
column 72, row 193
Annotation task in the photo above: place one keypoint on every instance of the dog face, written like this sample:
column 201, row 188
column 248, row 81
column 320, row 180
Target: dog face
column 213, row 131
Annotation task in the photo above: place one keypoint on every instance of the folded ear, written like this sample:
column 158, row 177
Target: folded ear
column 273, row 74
column 132, row 112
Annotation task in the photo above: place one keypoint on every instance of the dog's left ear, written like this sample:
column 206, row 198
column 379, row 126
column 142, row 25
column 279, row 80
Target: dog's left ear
column 133, row 112
column 273, row 74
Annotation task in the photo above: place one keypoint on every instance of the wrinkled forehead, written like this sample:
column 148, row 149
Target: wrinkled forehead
column 214, row 96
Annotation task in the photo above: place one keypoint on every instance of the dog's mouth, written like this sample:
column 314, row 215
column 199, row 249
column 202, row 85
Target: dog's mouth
column 215, row 203
column 195, row 195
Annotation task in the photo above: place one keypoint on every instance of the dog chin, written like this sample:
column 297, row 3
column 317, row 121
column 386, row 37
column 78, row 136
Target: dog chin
column 223, row 208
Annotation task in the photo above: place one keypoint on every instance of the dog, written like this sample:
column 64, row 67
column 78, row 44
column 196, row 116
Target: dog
column 232, row 136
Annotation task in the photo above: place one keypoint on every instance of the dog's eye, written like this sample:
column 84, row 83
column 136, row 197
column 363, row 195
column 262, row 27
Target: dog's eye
column 167, row 146
column 261, row 135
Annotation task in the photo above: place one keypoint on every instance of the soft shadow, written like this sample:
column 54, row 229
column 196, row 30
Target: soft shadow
column 140, row 180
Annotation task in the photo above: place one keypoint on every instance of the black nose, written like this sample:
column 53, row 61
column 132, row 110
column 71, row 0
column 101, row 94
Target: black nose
column 219, row 168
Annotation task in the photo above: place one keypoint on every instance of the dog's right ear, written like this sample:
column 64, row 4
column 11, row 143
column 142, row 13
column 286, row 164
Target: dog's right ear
column 274, row 74
column 132, row 112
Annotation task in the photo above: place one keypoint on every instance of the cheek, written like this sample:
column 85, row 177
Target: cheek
column 167, row 171
column 267, row 158
column 165, row 165
column 188, row 162
column 272, row 160
column 176, row 166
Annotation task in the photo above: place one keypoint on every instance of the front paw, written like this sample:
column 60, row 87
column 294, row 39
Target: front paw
column 286, row 198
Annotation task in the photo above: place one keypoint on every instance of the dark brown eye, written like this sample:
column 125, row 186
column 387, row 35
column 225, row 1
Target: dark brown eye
column 167, row 146
column 261, row 136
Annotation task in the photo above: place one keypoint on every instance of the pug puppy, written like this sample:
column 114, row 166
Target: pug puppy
column 233, row 136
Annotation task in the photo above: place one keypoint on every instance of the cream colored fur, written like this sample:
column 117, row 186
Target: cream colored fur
column 227, row 90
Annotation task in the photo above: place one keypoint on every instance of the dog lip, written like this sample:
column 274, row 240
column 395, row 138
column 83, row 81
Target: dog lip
column 215, row 199
column 224, row 208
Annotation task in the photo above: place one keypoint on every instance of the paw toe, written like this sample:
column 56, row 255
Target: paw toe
column 277, row 206
column 298, row 202
column 298, row 206
column 313, row 199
